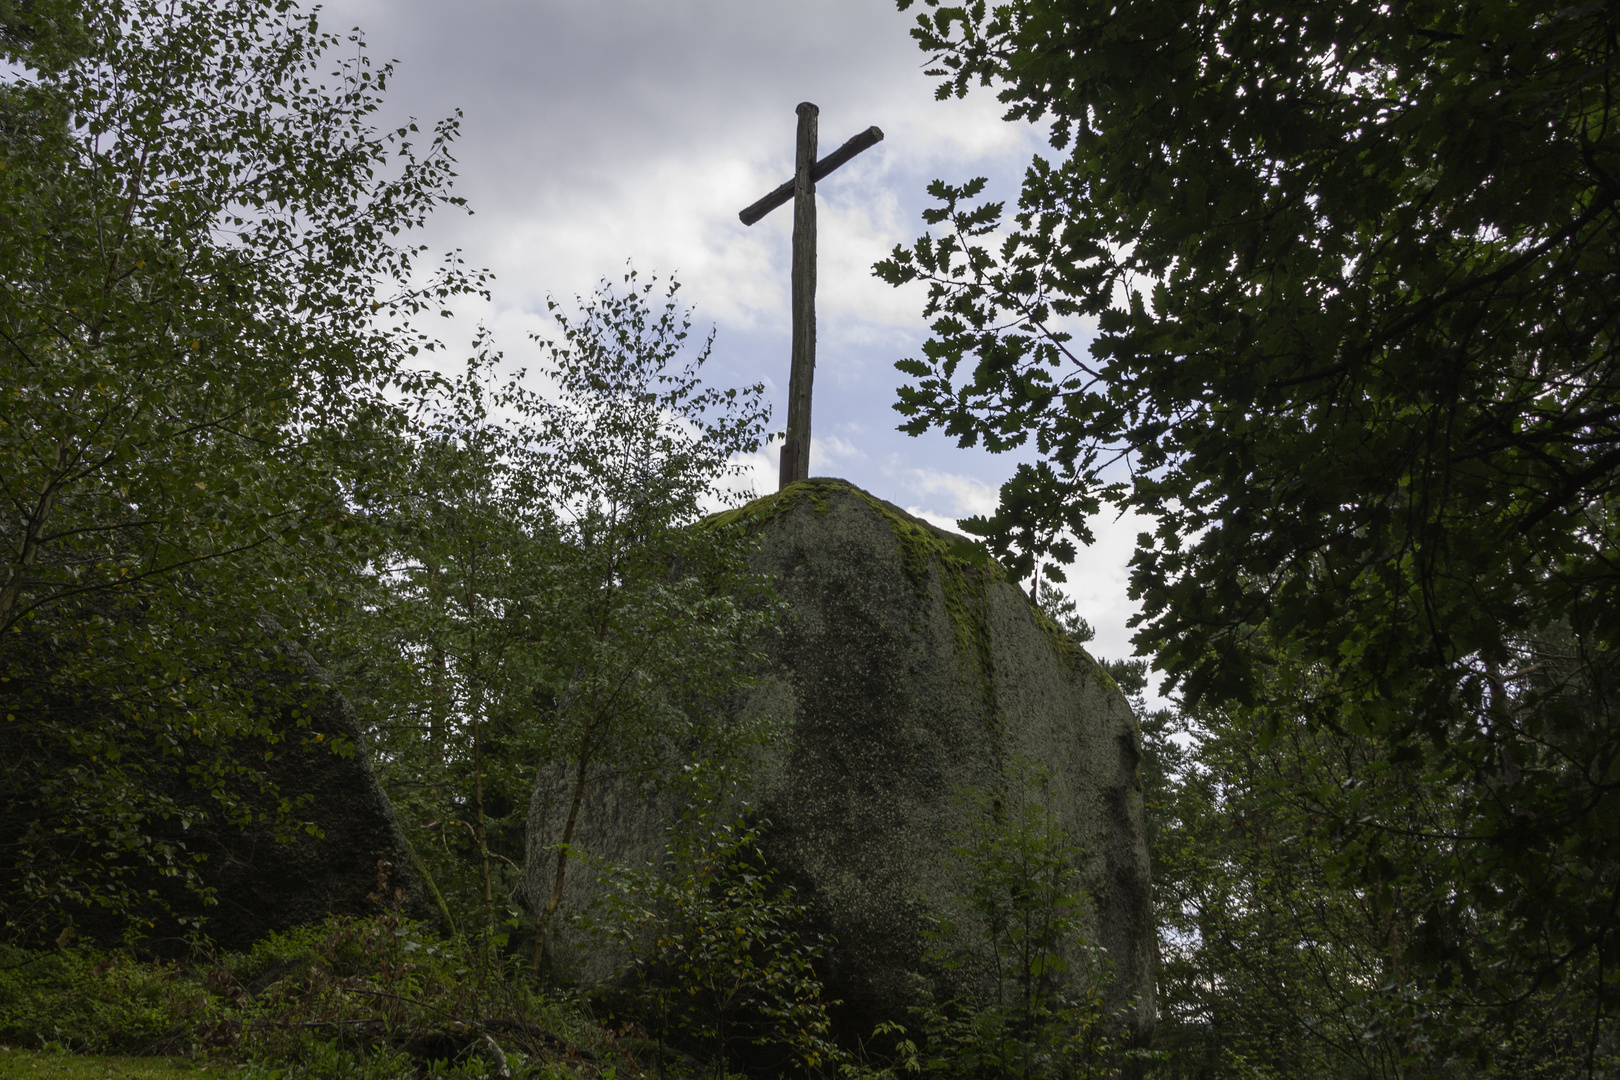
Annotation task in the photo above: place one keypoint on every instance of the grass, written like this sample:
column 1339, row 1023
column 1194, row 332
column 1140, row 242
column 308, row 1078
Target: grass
column 60, row 1065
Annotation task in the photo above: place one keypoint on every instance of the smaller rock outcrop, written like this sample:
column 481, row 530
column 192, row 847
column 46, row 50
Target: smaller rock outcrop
column 359, row 862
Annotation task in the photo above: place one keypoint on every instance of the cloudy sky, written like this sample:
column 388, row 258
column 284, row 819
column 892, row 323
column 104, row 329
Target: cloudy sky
column 601, row 131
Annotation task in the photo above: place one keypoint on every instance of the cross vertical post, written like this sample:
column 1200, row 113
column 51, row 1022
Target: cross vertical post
column 795, row 463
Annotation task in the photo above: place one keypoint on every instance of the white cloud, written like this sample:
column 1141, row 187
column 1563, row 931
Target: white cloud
column 829, row 454
column 759, row 477
column 965, row 496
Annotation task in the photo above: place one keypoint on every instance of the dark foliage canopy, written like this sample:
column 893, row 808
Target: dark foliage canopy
column 205, row 305
column 1352, row 269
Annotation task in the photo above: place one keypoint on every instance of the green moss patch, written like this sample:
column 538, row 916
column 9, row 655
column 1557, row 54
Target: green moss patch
column 1071, row 653
column 966, row 569
column 921, row 541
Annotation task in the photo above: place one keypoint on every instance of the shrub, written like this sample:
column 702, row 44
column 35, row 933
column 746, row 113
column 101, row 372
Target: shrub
column 347, row 997
column 83, row 999
column 716, row 950
column 1030, row 998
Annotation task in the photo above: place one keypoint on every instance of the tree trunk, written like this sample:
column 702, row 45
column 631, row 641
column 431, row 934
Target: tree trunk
column 29, row 550
column 562, row 856
column 478, row 807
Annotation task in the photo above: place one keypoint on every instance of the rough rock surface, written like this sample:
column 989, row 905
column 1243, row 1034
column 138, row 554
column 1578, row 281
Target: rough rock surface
column 909, row 672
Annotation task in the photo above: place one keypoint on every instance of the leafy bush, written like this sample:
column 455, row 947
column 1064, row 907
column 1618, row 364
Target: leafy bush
column 716, row 949
column 1030, row 998
column 87, row 1000
column 348, row 997
column 376, row 986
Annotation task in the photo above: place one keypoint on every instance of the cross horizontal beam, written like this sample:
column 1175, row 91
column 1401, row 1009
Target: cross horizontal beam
column 864, row 141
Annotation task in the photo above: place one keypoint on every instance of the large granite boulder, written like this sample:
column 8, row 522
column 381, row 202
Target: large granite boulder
column 909, row 674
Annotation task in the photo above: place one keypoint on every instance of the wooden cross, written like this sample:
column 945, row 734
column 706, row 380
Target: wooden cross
column 795, row 462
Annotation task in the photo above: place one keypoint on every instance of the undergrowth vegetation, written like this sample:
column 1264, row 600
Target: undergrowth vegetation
column 350, row 997
column 718, row 979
